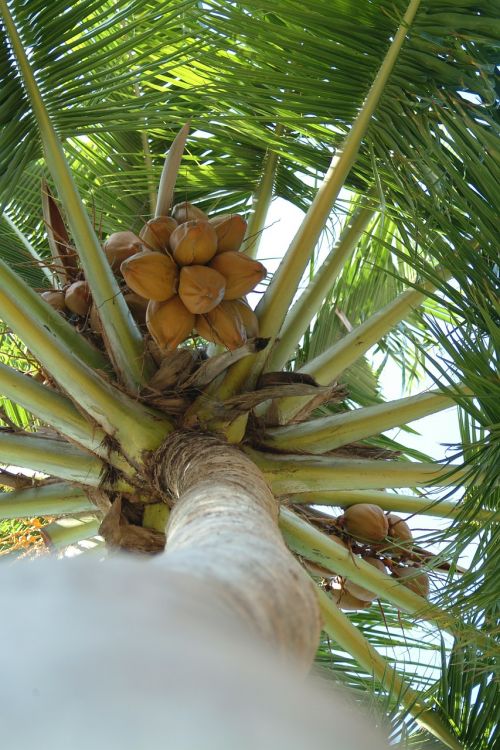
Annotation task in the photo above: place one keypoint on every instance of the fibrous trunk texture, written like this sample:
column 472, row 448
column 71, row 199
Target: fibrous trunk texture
column 223, row 531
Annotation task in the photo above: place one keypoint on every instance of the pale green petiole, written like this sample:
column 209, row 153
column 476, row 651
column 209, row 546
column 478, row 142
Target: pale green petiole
column 135, row 427
column 292, row 474
column 52, row 499
column 327, row 367
column 327, row 433
column 13, row 287
column 398, row 503
column 66, row 531
column 348, row 637
column 55, row 458
column 310, row 301
column 59, row 412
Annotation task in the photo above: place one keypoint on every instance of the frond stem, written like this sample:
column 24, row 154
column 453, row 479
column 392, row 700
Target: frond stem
column 310, row 301
column 262, row 200
column 59, row 412
column 52, row 499
column 327, row 433
column 291, row 474
column 133, row 425
column 388, row 501
column 55, row 458
column 348, row 637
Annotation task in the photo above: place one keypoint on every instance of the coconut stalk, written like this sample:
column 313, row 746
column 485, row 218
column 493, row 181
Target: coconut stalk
column 327, row 433
column 123, row 337
column 137, row 427
column 290, row 474
column 223, row 531
column 311, row 299
column 278, row 297
column 52, row 499
column 414, row 504
column 347, row 636
column 59, row 412
column 54, row 457
column 262, row 200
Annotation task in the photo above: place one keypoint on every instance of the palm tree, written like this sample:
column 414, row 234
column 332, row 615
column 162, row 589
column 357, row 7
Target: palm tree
column 394, row 104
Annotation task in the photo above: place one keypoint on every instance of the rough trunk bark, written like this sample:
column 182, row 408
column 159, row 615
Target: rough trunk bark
column 223, row 531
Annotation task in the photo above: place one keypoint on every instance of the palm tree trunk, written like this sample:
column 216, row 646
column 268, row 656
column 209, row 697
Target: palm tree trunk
column 224, row 531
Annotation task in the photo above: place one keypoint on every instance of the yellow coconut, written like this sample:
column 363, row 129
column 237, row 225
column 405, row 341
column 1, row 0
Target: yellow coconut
column 222, row 325
column 151, row 275
column 365, row 522
column 169, row 322
column 201, row 288
column 78, row 298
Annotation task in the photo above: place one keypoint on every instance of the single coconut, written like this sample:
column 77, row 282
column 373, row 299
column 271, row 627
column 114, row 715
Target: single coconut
column 185, row 211
column 249, row 318
column 78, row 298
column 230, row 229
column 137, row 306
column 121, row 245
column 169, row 322
column 201, row 288
column 193, row 243
column 222, row 325
column 55, row 298
column 399, row 530
column 156, row 233
column 95, row 321
column 151, row 275
column 242, row 273
column 365, row 522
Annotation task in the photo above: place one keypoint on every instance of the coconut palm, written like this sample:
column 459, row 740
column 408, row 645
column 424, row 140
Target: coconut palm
column 393, row 106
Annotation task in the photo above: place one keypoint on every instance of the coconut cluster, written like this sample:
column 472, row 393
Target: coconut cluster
column 189, row 270
column 182, row 274
column 382, row 540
